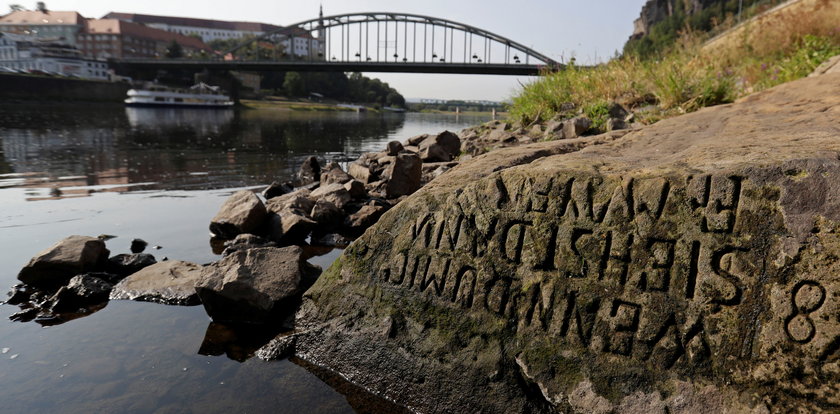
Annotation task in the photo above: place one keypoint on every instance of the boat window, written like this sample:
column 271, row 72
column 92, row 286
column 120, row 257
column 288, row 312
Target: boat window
column 179, row 100
column 159, row 99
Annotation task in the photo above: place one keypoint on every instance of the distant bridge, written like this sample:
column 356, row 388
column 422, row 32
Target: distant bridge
column 371, row 42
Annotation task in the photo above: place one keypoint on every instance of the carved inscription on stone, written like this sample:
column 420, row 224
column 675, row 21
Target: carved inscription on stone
column 650, row 269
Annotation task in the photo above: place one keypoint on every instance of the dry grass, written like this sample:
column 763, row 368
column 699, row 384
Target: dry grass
column 776, row 49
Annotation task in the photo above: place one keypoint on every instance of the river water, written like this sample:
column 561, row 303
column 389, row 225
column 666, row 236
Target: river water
column 160, row 175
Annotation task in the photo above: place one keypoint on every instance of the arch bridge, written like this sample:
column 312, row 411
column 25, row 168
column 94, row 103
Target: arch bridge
column 374, row 42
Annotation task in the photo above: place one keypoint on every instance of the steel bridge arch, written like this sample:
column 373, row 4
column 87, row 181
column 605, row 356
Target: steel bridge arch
column 313, row 25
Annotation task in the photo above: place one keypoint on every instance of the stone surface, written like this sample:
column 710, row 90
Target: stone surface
column 327, row 215
column 276, row 189
column 334, row 175
column 404, row 175
column 252, row 286
column 171, row 282
column 290, row 226
column 688, row 266
column 360, row 172
column 80, row 292
column 394, row 148
column 242, row 212
column 138, row 245
column 334, row 193
column 440, row 148
column 297, row 200
column 245, row 242
column 365, row 217
column 310, row 171
column 356, row 189
column 55, row 266
column 576, row 126
column 126, row 264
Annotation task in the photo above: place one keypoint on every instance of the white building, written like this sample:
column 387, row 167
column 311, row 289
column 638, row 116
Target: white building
column 31, row 54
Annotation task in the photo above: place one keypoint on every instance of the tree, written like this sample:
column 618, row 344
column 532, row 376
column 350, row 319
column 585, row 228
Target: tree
column 174, row 50
column 16, row 7
column 294, row 84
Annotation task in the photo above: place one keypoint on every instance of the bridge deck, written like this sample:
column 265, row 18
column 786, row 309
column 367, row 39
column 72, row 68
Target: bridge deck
column 321, row 66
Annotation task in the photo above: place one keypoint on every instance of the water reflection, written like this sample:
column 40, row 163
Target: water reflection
column 149, row 148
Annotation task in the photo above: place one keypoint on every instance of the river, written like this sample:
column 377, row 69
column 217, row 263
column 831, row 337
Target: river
column 160, row 175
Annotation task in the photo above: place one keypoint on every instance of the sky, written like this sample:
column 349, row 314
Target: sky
column 591, row 31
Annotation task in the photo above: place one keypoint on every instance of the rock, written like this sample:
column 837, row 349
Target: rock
column 616, row 110
column 615, row 123
column 280, row 347
column 276, row 189
column 356, row 189
column 365, row 217
column 687, row 266
column 442, row 147
column 334, row 193
column 360, row 172
column 334, row 175
column 171, row 282
column 404, row 175
column 242, row 212
column 394, row 148
column 255, row 285
column 126, row 264
column 297, row 200
column 20, row 294
column 25, row 315
column 416, row 140
column 576, row 126
column 330, row 240
column 290, row 227
column 245, row 242
column 310, row 171
column 55, row 266
column 327, row 215
column 138, row 245
column 82, row 291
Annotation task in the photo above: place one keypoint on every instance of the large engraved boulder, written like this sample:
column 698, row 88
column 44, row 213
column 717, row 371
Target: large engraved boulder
column 690, row 266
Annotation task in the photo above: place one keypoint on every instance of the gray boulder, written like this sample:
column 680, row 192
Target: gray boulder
column 298, row 201
column 310, row 171
column 126, row 264
column 81, row 292
column 327, row 214
column 255, row 285
column 276, row 189
column 55, row 266
column 394, row 148
column 334, row 175
column 356, row 189
column 334, row 193
column 404, row 175
column 361, row 172
column 244, row 242
column 441, row 147
column 576, row 126
column 171, row 282
column 242, row 212
column 290, row 226
column 365, row 217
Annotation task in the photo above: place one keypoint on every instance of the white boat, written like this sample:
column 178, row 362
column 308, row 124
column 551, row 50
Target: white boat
column 197, row 96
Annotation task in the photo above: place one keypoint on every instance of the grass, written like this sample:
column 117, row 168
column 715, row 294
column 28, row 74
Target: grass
column 687, row 77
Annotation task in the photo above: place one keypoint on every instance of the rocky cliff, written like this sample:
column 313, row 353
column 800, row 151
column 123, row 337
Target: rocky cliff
column 688, row 266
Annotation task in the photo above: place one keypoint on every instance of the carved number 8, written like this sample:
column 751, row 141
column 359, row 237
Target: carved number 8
column 806, row 298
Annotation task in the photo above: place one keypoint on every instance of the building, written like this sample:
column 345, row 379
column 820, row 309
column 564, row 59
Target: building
column 208, row 30
column 298, row 42
column 30, row 53
column 44, row 24
column 113, row 38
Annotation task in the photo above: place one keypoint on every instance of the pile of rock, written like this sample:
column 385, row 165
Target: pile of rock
column 74, row 276
column 330, row 206
column 569, row 123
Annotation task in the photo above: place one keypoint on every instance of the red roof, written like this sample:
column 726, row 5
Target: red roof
column 114, row 26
